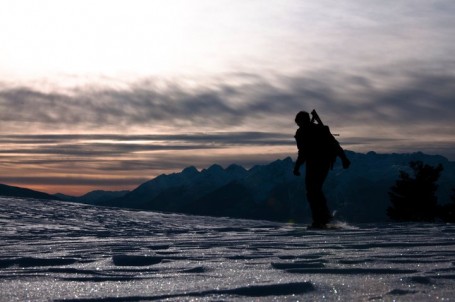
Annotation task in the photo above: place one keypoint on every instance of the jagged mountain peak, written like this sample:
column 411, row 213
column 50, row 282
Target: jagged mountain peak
column 191, row 170
column 236, row 169
column 215, row 168
column 283, row 162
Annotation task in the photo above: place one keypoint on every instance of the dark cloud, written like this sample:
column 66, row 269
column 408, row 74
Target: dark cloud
column 424, row 99
column 247, row 137
column 145, row 106
column 93, row 145
column 139, row 106
column 417, row 98
column 381, row 103
column 97, row 149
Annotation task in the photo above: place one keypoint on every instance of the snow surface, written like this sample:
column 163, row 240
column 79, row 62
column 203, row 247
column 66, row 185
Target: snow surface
column 65, row 251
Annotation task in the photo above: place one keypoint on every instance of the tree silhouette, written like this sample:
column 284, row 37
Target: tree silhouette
column 414, row 198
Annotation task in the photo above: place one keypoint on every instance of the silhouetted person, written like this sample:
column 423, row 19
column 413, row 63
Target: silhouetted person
column 319, row 150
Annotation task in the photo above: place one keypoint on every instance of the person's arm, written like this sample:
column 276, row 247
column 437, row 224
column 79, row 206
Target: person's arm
column 301, row 155
column 298, row 163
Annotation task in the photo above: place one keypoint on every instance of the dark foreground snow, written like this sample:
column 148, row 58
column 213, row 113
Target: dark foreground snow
column 64, row 251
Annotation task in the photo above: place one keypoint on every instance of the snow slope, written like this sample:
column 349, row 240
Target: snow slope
column 75, row 252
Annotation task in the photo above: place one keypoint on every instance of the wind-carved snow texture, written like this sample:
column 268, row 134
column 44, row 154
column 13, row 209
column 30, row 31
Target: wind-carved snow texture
column 74, row 252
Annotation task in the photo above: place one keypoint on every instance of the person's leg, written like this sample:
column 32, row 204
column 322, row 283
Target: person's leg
column 316, row 173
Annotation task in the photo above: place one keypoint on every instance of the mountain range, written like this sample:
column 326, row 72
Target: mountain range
column 93, row 197
column 271, row 191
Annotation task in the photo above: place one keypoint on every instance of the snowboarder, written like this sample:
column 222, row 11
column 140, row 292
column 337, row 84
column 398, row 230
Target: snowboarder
column 319, row 149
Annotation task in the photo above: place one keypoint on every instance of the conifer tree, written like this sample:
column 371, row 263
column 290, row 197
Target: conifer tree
column 447, row 211
column 414, row 198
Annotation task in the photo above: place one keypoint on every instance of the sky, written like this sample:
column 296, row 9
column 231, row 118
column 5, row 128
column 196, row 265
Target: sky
column 106, row 94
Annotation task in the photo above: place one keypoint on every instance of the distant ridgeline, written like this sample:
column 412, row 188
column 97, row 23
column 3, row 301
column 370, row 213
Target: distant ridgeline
column 6, row 190
column 359, row 194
